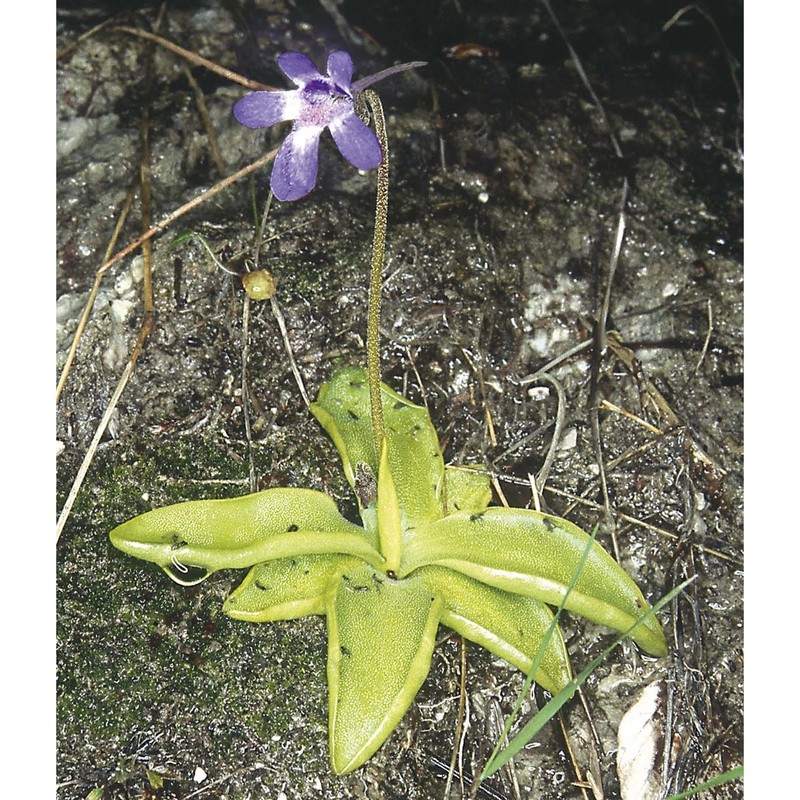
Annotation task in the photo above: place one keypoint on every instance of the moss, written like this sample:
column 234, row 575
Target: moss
column 139, row 655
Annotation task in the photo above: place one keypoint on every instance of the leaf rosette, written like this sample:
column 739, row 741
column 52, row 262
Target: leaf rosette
column 430, row 551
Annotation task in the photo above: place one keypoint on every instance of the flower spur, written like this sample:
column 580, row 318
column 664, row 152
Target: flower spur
column 319, row 102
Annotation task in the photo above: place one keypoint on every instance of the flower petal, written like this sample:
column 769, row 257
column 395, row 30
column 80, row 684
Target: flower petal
column 340, row 68
column 298, row 67
column 263, row 109
column 357, row 142
column 295, row 170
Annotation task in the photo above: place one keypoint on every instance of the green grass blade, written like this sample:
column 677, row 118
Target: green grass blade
column 556, row 702
column 181, row 238
column 537, row 661
column 726, row 777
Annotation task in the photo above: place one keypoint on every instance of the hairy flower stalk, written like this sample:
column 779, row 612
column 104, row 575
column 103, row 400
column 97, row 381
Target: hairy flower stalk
column 376, row 273
column 332, row 100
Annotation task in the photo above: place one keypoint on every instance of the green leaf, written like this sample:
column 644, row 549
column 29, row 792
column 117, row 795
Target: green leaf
column 287, row 588
column 509, row 625
column 389, row 527
column 468, row 489
column 540, row 652
column 381, row 635
column 191, row 540
column 534, row 554
column 342, row 408
column 415, row 458
column 155, row 779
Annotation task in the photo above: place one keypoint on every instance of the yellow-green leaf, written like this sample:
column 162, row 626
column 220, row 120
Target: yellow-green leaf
column 287, row 588
column 381, row 635
column 389, row 528
column 415, row 459
column 191, row 540
column 509, row 625
column 468, row 489
column 537, row 555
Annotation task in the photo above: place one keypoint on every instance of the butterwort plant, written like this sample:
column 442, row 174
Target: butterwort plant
column 430, row 549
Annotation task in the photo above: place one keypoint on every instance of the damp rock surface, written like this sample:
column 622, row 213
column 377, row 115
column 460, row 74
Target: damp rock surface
column 504, row 211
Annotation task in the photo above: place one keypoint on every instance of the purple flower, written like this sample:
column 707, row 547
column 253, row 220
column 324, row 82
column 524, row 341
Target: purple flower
column 319, row 102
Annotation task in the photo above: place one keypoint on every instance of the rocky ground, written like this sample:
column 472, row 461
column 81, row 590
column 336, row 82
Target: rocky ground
column 507, row 186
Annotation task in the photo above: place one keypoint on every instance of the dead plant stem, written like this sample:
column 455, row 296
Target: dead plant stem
column 144, row 332
column 98, row 279
column 146, row 236
column 195, row 59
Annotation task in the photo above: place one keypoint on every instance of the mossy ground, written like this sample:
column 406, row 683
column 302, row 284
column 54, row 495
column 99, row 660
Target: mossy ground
column 135, row 653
